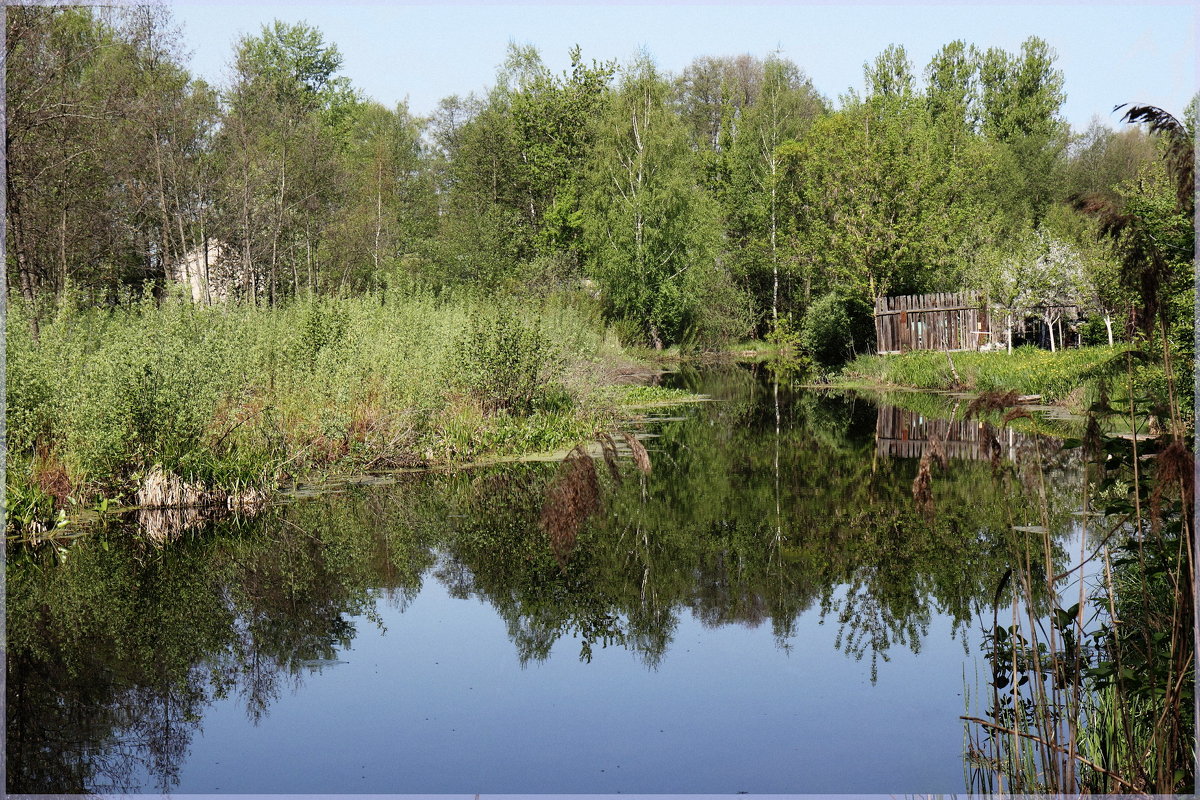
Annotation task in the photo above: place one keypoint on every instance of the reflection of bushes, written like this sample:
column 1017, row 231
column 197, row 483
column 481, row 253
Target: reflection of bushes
column 735, row 523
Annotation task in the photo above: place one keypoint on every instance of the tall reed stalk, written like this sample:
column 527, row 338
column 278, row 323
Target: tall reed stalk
column 1100, row 702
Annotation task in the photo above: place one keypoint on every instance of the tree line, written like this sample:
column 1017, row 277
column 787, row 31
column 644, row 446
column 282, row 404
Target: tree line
column 727, row 200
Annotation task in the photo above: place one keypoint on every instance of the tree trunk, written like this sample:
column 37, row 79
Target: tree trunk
column 279, row 206
column 24, row 274
column 165, row 234
column 1108, row 327
column 379, row 215
column 774, row 249
column 28, row 293
column 62, row 252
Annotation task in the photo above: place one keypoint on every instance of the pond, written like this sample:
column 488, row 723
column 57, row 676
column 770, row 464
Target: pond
column 768, row 610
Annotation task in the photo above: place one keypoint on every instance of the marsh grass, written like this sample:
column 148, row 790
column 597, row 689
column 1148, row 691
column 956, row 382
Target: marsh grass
column 1025, row 371
column 238, row 395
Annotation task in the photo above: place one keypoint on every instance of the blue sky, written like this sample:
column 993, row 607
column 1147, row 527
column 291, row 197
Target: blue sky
column 1110, row 53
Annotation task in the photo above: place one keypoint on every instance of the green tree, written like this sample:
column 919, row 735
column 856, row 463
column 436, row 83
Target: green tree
column 386, row 204
column 287, row 118
column 752, row 195
column 951, row 90
column 1020, row 100
column 106, row 137
column 649, row 230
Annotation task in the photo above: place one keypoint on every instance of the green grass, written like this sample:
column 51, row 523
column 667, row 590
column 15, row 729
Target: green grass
column 635, row 396
column 241, row 395
column 1027, row 370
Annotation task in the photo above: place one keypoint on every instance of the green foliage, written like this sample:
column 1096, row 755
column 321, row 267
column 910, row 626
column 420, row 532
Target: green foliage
column 237, row 393
column 650, row 231
column 506, row 364
column 324, row 326
column 1026, row 370
column 115, row 630
column 1093, row 332
column 651, row 395
column 26, row 506
column 835, row 328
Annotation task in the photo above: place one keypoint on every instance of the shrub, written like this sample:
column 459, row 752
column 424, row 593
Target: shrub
column 836, row 327
column 505, row 364
column 1094, row 332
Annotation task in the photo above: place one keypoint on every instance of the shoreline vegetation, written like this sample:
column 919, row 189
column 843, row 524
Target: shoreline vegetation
column 166, row 403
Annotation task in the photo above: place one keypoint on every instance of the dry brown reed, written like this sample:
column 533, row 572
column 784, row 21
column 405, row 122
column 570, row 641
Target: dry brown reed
column 572, row 497
column 608, row 448
column 1176, row 467
column 640, row 457
column 161, row 489
column 51, row 478
column 992, row 401
column 163, row 525
column 922, row 487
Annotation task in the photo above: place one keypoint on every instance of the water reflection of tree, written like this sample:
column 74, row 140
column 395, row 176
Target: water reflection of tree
column 745, row 521
column 758, row 510
column 114, row 654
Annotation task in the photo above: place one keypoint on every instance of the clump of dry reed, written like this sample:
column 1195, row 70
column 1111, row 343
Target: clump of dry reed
column 573, row 496
column 922, row 487
column 640, row 457
column 990, row 401
column 608, row 449
column 575, row 493
column 161, row 489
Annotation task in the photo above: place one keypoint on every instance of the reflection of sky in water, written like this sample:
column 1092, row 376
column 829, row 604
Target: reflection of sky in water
column 736, row 523
column 440, row 703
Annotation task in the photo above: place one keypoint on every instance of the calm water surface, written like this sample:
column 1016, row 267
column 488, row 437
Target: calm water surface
column 769, row 610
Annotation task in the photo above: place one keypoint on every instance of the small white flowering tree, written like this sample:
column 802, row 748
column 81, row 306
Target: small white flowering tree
column 1055, row 278
column 1040, row 275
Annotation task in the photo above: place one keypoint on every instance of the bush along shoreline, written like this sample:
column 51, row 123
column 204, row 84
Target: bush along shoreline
column 170, row 404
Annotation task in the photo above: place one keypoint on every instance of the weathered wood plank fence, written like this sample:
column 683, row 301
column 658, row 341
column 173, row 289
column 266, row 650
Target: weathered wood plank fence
column 900, row 433
column 946, row 321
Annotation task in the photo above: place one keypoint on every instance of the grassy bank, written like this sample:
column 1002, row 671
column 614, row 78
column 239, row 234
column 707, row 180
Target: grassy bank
column 1059, row 377
column 242, row 396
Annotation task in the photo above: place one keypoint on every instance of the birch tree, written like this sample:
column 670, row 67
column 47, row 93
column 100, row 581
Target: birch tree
column 650, row 231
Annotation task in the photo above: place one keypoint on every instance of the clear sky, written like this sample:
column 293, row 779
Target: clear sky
column 1110, row 53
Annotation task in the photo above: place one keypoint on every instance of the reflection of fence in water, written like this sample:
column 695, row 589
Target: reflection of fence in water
column 900, row 433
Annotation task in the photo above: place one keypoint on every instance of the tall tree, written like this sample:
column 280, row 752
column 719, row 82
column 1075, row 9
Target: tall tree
column 1020, row 100
column 287, row 117
column 105, row 134
column 786, row 105
column 386, row 204
column 650, row 230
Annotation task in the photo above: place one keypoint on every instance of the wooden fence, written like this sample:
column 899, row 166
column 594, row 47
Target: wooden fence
column 900, row 433
column 946, row 321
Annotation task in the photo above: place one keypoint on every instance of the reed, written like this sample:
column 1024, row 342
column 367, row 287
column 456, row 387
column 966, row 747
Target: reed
column 1093, row 689
column 111, row 401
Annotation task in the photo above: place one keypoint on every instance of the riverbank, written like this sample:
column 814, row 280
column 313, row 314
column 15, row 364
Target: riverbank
column 237, row 400
column 1068, row 378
